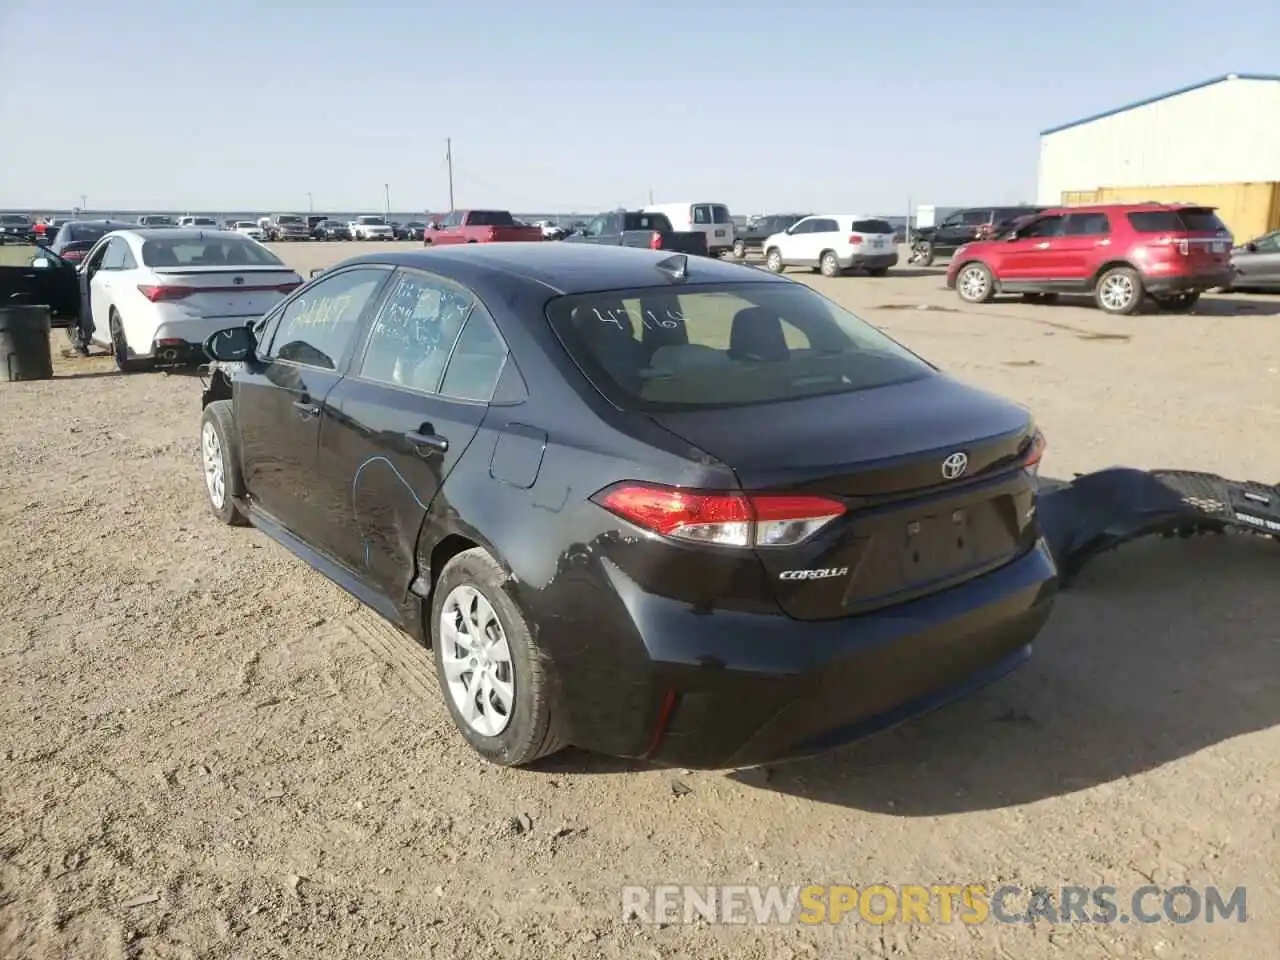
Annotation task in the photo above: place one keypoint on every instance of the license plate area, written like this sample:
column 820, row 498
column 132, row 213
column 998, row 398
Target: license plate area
column 907, row 551
column 719, row 233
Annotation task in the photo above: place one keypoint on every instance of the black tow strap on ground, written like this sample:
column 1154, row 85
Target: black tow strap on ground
column 1100, row 511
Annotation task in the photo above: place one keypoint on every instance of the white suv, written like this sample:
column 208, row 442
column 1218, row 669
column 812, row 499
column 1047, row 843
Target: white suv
column 834, row 242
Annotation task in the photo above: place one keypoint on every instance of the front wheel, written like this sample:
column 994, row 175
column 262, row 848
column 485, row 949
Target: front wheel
column 829, row 265
column 1119, row 291
column 494, row 678
column 773, row 260
column 975, row 284
column 220, row 457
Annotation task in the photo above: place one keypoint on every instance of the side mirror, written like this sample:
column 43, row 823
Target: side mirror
column 1251, row 247
column 40, row 263
column 231, row 345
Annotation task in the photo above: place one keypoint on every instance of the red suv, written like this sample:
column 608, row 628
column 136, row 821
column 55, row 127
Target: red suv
column 1121, row 253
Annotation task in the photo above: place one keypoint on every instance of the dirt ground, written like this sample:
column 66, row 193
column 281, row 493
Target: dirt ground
column 210, row 751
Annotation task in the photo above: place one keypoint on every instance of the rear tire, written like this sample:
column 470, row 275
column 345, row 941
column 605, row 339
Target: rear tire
column 1119, row 291
column 773, row 260
column 922, row 253
column 974, row 283
column 120, row 352
column 829, row 264
column 739, row 250
column 529, row 727
column 220, row 457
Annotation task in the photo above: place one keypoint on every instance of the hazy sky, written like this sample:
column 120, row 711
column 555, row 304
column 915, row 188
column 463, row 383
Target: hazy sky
column 576, row 104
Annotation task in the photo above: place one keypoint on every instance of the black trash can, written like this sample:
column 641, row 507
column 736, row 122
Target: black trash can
column 25, row 353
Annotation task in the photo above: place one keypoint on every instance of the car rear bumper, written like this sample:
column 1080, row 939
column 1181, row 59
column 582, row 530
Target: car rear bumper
column 1189, row 283
column 172, row 334
column 725, row 688
column 871, row 261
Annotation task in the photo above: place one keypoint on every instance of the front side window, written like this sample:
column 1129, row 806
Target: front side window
column 317, row 325
column 720, row 214
column 975, row 218
column 117, row 255
column 725, row 345
column 1043, row 227
column 415, row 330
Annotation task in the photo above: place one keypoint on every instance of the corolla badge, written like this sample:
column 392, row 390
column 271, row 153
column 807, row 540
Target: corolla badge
column 955, row 465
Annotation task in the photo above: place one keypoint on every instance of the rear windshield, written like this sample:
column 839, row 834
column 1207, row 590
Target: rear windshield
column 13, row 218
column 371, row 221
column 720, row 214
column 725, row 345
column 490, row 218
column 646, row 221
column 228, row 250
column 1195, row 219
column 872, row 226
column 91, row 231
column 288, row 219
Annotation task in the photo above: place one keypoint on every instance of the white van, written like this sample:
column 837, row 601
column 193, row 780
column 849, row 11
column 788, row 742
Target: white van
column 710, row 218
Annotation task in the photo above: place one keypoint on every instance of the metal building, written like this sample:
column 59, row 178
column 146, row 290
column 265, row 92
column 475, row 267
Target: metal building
column 1216, row 142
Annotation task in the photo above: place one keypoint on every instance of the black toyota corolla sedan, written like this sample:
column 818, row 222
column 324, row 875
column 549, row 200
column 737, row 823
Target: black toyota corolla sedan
column 648, row 505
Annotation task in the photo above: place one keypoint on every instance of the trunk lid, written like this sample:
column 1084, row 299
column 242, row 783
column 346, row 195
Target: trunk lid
column 232, row 291
column 908, row 529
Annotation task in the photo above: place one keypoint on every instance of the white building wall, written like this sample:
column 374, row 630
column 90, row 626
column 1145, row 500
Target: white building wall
column 1227, row 132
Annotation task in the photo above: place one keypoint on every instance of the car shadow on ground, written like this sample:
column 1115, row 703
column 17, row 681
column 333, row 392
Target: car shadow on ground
column 1210, row 306
column 1158, row 651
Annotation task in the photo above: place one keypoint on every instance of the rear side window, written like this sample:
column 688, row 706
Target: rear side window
column 975, row 218
column 872, row 226
column 228, row 250
column 720, row 214
column 477, row 360
column 725, row 345
column 1086, row 224
column 823, row 225
column 702, row 214
column 1196, row 219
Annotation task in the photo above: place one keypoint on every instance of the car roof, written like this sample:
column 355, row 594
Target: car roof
column 1150, row 205
column 569, row 268
column 174, row 233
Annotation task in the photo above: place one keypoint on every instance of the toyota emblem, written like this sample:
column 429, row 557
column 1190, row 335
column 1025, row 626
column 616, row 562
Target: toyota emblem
column 238, row 280
column 955, row 465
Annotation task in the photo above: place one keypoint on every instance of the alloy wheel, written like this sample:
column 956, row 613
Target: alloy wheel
column 973, row 283
column 477, row 661
column 214, row 473
column 1117, row 291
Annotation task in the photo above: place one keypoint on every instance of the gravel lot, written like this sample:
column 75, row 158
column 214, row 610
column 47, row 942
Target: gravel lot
column 211, row 751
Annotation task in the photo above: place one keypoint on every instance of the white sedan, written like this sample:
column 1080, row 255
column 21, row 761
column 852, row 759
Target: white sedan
column 250, row 229
column 155, row 296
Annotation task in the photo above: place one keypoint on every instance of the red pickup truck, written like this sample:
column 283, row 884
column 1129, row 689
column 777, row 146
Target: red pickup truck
column 478, row 226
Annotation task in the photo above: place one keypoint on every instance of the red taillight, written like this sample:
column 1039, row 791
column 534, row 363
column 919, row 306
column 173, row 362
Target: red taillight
column 1035, row 453
column 723, row 518
column 158, row 294
column 655, row 241
column 855, row 241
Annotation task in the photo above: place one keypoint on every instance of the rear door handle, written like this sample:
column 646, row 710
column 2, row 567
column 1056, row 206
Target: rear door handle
column 426, row 444
column 306, row 409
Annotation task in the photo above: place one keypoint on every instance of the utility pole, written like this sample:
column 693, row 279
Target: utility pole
column 651, row 196
column 311, row 208
column 84, row 202
column 386, row 202
column 448, row 157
